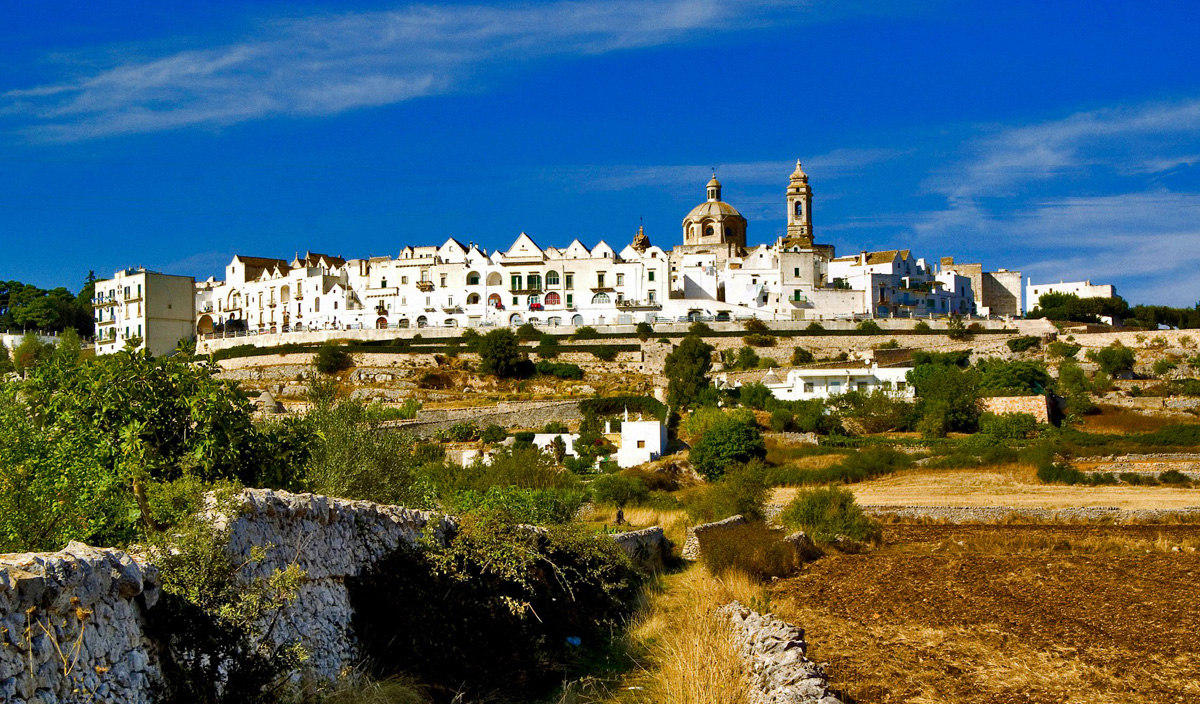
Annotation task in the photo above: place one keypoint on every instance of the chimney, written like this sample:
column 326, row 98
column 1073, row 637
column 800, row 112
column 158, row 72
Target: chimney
column 862, row 258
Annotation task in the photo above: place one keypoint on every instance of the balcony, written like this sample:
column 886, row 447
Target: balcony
column 526, row 291
column 627, row 304
column 425, row 286
column 603, row 289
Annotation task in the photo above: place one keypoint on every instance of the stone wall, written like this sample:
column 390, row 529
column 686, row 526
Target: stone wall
column 774, row 653
column 695, row 535
column 648, row 547
column 534, row 414
column 72, row 627
column 992, row 514
column 1036, row 406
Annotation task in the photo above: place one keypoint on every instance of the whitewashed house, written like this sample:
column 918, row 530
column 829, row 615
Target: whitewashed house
column 805, row 383
column 641, row 441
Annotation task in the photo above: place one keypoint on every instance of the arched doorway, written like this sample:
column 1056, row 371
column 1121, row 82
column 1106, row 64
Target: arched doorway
column 515, row 319
column 494, row 279
column 205, row 325
column 473, row 299
column 451, row 323
column 381, row 323
column 577, row 319
column 554, row 322
column 403, row 323
column 494, row 300
column 422, row 322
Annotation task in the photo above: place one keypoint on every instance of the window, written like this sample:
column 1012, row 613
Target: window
column 516, row 282
column 533, row 281
column 796, row 271
column 570, row 281
column 383, row 283
column 570, row 299
column 708, row 231
column 473, row 299
column 472, row 279
column 516, row 301
column 427, row 299
column 443, row 281
column 450, row 301
column 651, row 275
column 620, row 279
column 600, row 279
column 535, row 299
column 403, row 280
column 601, row 299
column 552, row 278
column 335, row 305
column 425, row 275
column 552, row 298
column 641, row 444
column 808, row 387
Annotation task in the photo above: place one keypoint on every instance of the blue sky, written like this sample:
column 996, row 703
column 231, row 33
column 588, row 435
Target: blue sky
column 1061, row 139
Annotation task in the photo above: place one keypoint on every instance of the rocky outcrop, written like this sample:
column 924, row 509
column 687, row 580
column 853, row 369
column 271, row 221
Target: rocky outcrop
column 72, row 627
column 774, row 652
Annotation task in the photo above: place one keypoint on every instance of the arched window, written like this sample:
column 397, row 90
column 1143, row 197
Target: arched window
column 495, row 279
column 708, row 231
column 552, row 298
column 577, row 319
column 551, row 279
column 515, row 319
column 535, row 299
column 473, row 278
column 601, row 299
column 800, row 209
column 473, row 299
column 494, row 300
column 422, row 322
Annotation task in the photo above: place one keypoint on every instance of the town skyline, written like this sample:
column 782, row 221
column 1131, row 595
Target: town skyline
column 1039, row 141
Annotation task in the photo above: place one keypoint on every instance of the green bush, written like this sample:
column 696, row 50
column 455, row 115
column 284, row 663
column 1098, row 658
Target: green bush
column 729, row 441
column 922, row 326
column 1062, row 349
column 1114, row 359
column 528, row 332
column 742, row 491
column 500, row 355
column 605, row 354
column 1009, row 426
column 874, row 412
column 643, row 331
column 585, row 332
column 547, row 347
column 493, row 434
column 754, row 548
column 802, row 356
column 782, row 419
column 1020, row 378
column 857, row 467
column 1164, row 366
column 560, row 370
column 829, row 513
column 618, row 490
column 814, row 327
column 459, row 432
column 870, row 327
column 537, row 507
column 699, row 328
column 686, row 369
column 757, row 340
column 331, row 359
column 1174, row 476
column 755, row 325
column 755, row 395
column 1023, row 343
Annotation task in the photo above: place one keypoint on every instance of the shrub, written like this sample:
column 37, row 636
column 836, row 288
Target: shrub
column 1164, row 366
column 528, row 332
column 500, row 354
column 742, row 491
column 585, row 332
column 875, row 412
column 814, row 327
column 529, row 506
column 605, row 354
column 1174, row 476
column 618, row 490
column 699, row 328
column 857, row 467
column 331, row 359
column 729, row 441
column 643, row 330
column 754, row 548
column 829, row 513
column 1009, row 426
column 922, row 326
column 801, row 356
column 781, row 419
column 435, row 380
column 1023, row 343
column 755, row 395
column 870, row 327
column 758, row 340
column 493, row 434
column 956, row 329
column 555, row 427
column 1019, row 378
column 755, row 325
column 1178, row 435
column 946, row 398
column 1114, row 359
column 560, row 370
column 889, row 345
column 743, row 358
column 548, row 347
column 459, row 432
column 1062, row 349
column 702, row 419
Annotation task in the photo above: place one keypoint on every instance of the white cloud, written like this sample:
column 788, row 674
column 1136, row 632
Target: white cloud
column 326, row 64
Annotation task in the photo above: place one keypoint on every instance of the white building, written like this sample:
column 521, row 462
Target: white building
column 641, row 441
column 712, row 274
column 542, row 441
column 1082, row 289
column 153, row 310
column 806, row 383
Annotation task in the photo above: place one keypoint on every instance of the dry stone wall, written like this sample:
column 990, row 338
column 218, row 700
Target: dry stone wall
column 72, row 627
column 991, row 514
column 774, row 653
column 695, row 535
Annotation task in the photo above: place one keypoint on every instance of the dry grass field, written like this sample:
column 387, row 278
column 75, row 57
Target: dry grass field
column 1123, row 421
column 983, row 614
column 1007, row 485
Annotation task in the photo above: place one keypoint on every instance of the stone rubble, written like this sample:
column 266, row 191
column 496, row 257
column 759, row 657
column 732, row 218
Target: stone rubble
column 774, row 652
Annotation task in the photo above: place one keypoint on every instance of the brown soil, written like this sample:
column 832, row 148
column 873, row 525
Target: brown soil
column 1007, row 613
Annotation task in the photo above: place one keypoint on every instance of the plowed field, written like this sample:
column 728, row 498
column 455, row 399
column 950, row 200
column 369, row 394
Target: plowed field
column 1010, row 613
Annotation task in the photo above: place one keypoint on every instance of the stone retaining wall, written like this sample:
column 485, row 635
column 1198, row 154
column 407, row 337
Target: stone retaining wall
column 992, row 514
column 72, row 627
column 774, row 652
column 648, row 547
column 532, row 415
column 695, row 535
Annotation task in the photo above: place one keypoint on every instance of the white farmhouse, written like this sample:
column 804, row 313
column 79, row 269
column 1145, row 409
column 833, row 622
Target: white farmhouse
column 822, row 382
column 641, row 441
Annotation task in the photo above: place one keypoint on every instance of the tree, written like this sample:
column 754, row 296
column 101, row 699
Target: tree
column 6, row 364
column 687, row 371
column 528, row 332
column 30, row 353
column 870, row 327
column 69, row 350
column 755, row 395
column 500, row 355
column 947, row 397
column 1070, row 307
column 755, row 325
column 1000, row 378
column 644, row 330
column 729, row 441
column 956, row 329
column 618, row 490
column 558, row 449
column 802, row 356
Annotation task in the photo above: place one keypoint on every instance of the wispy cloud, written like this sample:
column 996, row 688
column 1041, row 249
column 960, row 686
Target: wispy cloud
column 326, row 64
column 1082, row 197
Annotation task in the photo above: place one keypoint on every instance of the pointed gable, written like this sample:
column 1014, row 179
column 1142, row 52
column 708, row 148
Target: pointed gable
column 576, row 250
column 452, row 251
column 523, row 248
column 602, row 250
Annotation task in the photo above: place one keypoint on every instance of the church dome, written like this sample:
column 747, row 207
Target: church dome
column 715, row 209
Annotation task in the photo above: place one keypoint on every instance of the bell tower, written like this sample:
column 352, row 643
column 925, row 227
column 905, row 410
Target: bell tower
column 799, row 204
